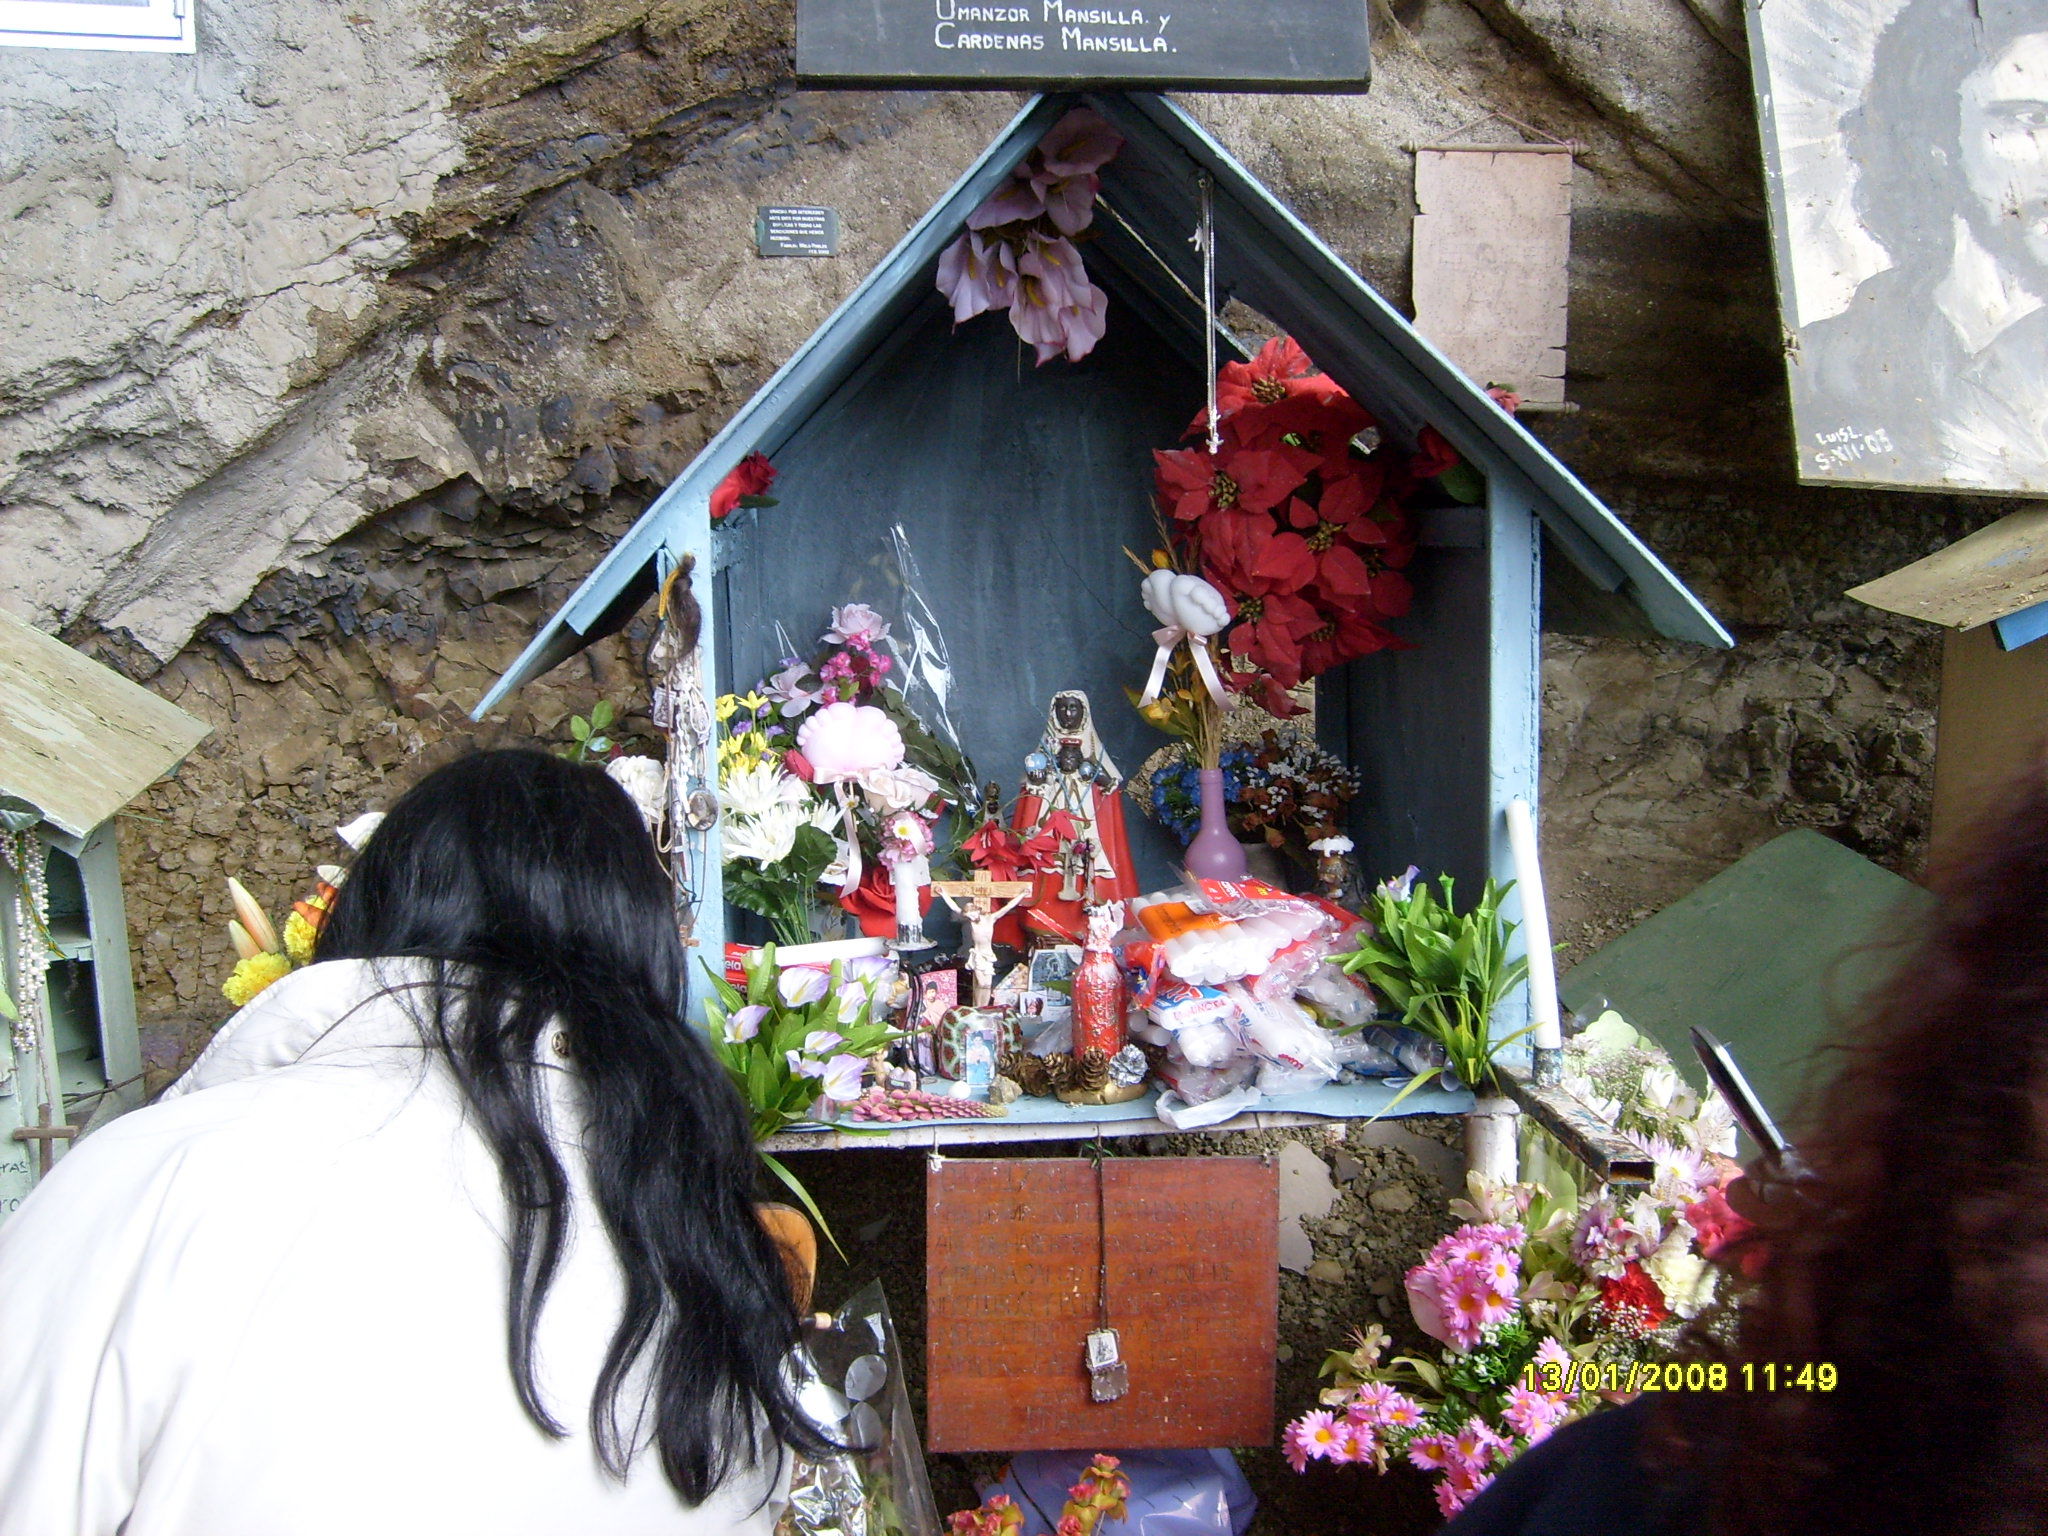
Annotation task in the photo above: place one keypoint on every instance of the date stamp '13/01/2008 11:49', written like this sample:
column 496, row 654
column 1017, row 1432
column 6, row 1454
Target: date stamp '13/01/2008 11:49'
column 1677, row 1376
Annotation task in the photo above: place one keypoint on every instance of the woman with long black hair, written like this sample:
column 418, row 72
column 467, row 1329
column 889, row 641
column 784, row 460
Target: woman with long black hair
column 450, row 1232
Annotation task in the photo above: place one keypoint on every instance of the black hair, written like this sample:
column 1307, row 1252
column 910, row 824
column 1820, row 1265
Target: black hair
column 532, row 886
column 1906, row 136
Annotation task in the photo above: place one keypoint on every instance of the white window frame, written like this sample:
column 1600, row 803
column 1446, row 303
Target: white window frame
column 156, row 26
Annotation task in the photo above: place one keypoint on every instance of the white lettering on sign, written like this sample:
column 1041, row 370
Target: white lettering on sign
column 1082, row 29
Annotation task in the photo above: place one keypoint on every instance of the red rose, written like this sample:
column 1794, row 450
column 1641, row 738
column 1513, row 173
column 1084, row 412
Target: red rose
column 1433, row 454
column 799, row 765
column 749, row 478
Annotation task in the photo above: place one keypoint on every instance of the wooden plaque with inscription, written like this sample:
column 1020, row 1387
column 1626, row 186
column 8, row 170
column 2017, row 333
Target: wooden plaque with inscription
column 1194, row 1291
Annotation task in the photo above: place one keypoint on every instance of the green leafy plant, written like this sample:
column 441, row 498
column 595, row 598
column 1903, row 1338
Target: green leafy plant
column 795, row 1043
column 1446, row 972
column 589, row 732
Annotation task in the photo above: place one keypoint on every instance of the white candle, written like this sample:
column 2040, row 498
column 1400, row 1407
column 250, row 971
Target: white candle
column 1535, row 927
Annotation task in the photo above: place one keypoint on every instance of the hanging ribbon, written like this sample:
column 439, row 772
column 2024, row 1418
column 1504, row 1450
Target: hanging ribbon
column 1189, row 609
column 852, row 881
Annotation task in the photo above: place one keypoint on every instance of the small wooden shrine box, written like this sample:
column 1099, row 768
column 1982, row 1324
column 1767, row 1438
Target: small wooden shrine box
column 77, row 742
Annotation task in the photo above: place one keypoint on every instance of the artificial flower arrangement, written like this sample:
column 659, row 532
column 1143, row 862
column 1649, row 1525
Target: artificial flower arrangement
column 1447, row 972
column 797, row 1040
column 1018, row 253
column 1282, row 790
column 262, row 954
column 1546, row 1310
column 1303, row 531
column 1100, row 1497
column 827, row 777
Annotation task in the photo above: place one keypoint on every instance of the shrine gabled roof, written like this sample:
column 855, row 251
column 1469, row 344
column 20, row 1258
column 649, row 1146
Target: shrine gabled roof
column 1265, row 257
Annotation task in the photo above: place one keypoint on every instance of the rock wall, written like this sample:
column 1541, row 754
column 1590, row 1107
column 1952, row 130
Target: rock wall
column 339, row 351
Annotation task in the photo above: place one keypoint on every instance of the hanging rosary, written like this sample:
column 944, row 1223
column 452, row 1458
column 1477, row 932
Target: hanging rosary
column 1109, row 1378
column 677, row 707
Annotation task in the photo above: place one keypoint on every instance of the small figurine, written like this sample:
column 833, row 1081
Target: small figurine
column 1336, row 878
column 1099, row 985
column 1071, row 809
column 975, row 903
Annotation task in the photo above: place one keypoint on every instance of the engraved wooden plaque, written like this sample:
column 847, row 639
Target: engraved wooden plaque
column 1194, row 1291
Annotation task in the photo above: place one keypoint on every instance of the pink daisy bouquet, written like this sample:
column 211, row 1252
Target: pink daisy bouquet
column 1545, row 1311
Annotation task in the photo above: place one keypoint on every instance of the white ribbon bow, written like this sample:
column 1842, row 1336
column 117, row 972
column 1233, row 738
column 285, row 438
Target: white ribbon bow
column 1189, row 609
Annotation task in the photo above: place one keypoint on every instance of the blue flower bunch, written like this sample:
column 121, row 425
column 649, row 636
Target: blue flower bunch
column 1176, row 802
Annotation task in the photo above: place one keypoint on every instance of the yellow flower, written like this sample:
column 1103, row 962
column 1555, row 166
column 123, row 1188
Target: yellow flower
column 253, row 975
column 298, row 938
column 727, row 706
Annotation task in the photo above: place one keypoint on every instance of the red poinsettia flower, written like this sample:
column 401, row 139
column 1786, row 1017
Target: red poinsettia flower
column 1433, row 454
column 1346, row 635
column 750, row 477
column 1381, row 551
column 995, row 848
column 1270, row 377
column 1194, row 482
column 1270, row 618
column 1042, row 849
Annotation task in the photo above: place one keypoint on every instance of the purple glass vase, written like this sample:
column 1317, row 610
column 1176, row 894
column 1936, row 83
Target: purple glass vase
column 1215, row 854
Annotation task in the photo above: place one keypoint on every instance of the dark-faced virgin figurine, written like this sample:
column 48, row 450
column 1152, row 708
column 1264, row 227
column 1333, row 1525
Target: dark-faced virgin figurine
column 1071, row 809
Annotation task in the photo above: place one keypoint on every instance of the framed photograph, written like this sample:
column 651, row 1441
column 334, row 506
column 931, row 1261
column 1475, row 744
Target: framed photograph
column 933, row 995
column 1050, row 995
column 153, row 26
column 1906, row 150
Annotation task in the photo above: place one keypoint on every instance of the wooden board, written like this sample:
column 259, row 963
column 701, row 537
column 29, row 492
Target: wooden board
column 1769, row 956
column 1492, row 244
column 1995, row 571
column 1994, row 718
column 81, row 740
column 1010, row 1275
column 1304, row 45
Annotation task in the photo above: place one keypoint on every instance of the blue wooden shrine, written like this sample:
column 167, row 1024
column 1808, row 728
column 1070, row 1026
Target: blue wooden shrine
column 1018, row 488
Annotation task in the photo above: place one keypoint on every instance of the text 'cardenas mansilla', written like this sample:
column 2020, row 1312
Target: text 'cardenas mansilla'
column 1080, row 29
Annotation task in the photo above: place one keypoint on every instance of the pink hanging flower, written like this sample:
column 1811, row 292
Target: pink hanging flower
column 1019, row 199
column 976, row 274
column 1079, row 143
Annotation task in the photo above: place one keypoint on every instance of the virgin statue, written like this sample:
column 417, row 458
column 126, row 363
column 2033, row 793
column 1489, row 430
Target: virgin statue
column 1070, row 814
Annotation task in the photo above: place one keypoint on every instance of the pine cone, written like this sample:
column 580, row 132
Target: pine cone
column 1091, row 1070
column 1059, row 1071
column 1027, row 1072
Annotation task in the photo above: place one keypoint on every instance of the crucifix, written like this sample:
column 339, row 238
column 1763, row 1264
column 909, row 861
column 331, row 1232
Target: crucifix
column 979, row 912
column 47, row 1133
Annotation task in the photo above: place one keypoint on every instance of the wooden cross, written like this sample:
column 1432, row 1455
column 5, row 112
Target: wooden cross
column 48, row 1133
column 984, row 887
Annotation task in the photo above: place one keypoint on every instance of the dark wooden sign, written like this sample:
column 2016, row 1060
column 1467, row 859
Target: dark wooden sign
column 1194, row 1291
column 1301, row 45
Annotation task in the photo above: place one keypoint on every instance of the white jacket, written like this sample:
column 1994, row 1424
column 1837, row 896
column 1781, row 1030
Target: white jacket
column 273, row 1304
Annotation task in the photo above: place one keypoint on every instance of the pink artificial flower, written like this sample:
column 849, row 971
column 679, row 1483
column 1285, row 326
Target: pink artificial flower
column 1472, row 1304
column 1054, row 268
column 841, row 1078
column 1532, row 1415
column 843, row 741
column 787, row 689
column 1079, row 143
column 856, row 621
column 1459, row 1487
column 1019, row 199
column 799, row 1066
column 745, row 1024
column 820, row 1041
column 1475, row 1446
column 1425, row 1283
column 1380, row 1404
column 1448, row 1500
column 976, row 274
column 1069, row 200
column 1430, row 1453
column 1294, row 1447
column 1083, row 320
column 1355, row 1442
column 1320, row 1433
column 801, row 985
column 1550, row 1352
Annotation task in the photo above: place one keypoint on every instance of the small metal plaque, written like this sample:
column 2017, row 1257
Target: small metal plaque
column 797, row 231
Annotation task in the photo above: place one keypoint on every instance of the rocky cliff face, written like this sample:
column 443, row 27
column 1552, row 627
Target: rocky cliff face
column 336, row 353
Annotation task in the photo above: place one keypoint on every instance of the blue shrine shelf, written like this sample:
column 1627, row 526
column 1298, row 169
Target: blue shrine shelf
column 1049, row 1120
